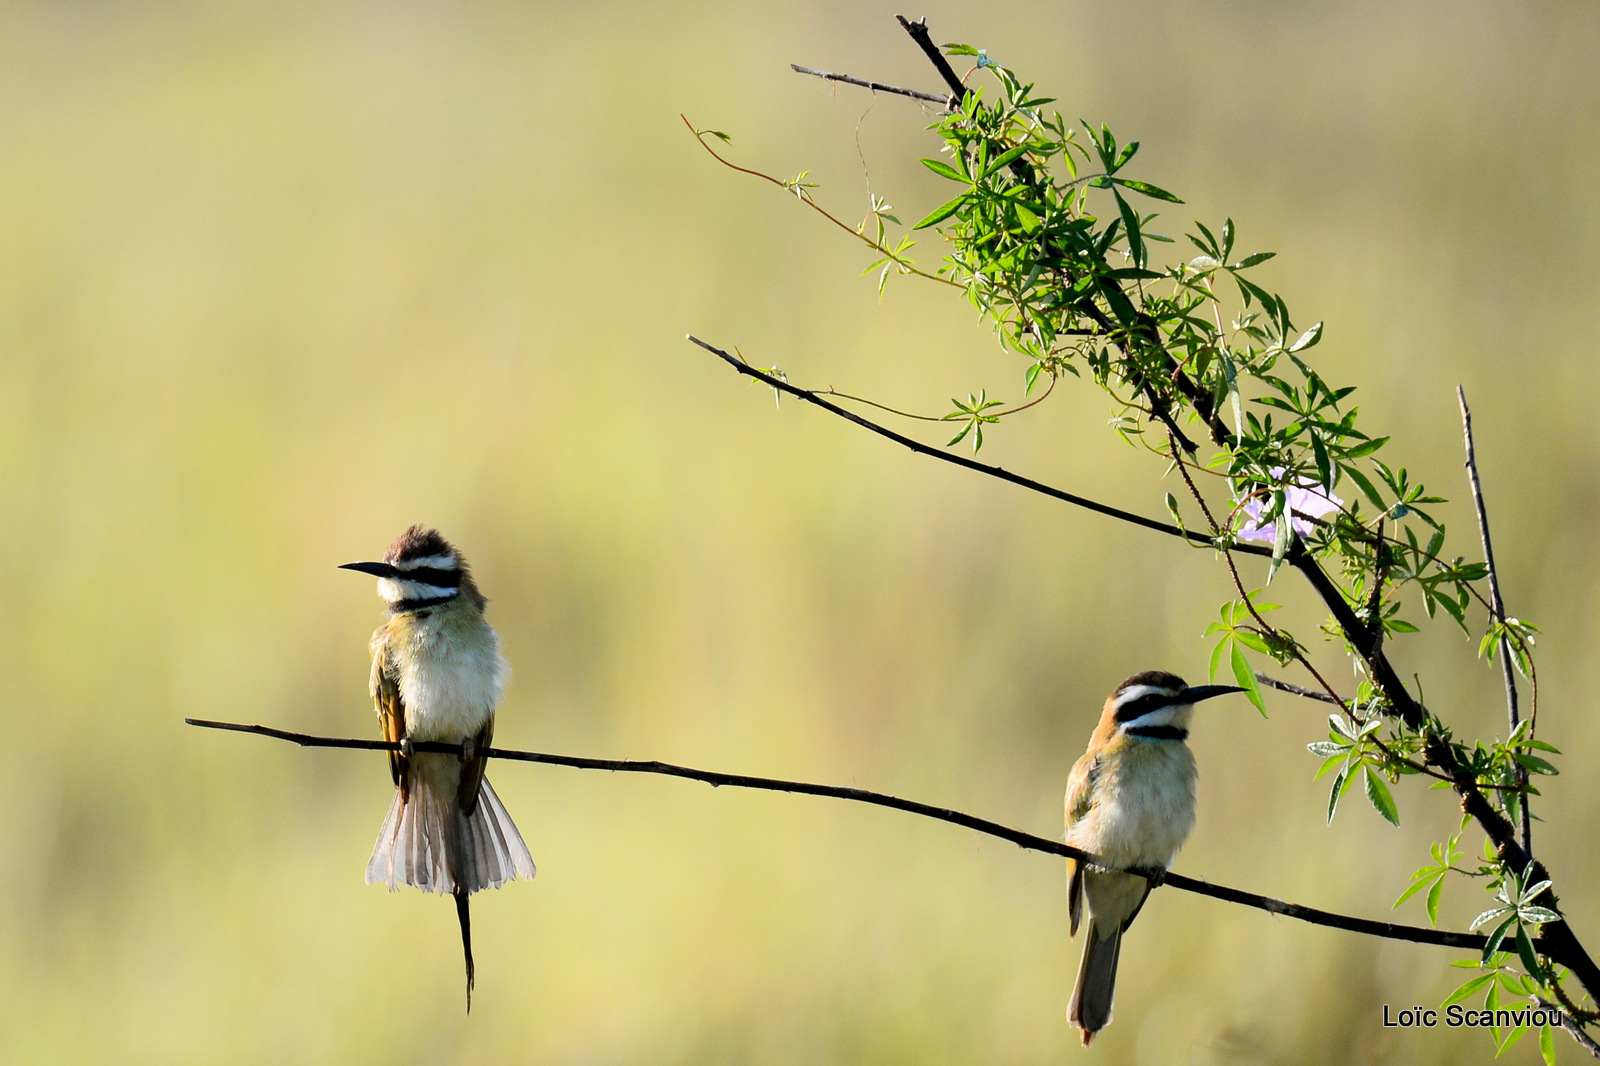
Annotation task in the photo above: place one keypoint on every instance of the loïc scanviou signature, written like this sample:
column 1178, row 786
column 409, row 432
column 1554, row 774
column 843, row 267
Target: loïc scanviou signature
column 1456, row 1016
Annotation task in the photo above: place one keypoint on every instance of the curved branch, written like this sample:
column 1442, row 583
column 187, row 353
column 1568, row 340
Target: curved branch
column 804, row 197
column 960, row 460
column 1387, row 930
column 1573, row 1027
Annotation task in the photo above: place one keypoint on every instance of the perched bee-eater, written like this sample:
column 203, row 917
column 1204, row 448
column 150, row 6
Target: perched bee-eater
column 1130, row 803
column 437, row 673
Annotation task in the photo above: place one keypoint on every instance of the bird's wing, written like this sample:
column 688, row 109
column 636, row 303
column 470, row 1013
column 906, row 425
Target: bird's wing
column 391, row 709
column 1137, row 907
column 1079, row 799
column 473, row 770
column 1074, row 895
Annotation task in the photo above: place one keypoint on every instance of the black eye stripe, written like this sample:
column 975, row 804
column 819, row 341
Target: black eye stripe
column 1150, row 701
column 1159, row 732
column 407, row 606
column 428, row 575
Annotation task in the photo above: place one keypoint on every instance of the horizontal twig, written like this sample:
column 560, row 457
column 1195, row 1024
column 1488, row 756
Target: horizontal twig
column 1388, row 930
column 960, row 460
column 1297, row 690
column 949, row 103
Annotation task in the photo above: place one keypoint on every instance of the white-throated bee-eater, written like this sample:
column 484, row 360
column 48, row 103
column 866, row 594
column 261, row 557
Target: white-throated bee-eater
column 1130, row 803
column 437, row 673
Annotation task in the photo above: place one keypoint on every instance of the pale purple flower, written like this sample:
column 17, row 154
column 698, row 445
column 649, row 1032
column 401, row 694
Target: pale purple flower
column 1309, row 498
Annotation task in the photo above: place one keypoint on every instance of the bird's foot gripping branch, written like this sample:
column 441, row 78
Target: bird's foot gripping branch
column 1053, row 233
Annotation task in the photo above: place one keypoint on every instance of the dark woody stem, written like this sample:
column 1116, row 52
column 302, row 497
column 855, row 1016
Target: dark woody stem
column 1387, row 930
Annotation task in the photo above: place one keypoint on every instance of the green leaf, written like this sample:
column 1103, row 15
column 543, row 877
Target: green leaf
column 1511, row 1039
column 1530, row 958
column 1251, row 260
column 1467, row 989
column 1216, row 656
column 1308, row 338
column 1336, row 791
column 1172, row 509
column 1151, row 191
column 1365, row 486
column 1378, row 795
column 1547, row 1045
column 1492, row 945
column 945, row 170
column 1535, row 764
column 1130, row 223
column 1433, row 900
column 1247, row 680
column 1253, row 641
column 1282, row 531
column 1491, row 915
column 1319, row 453
column 1010, row 156
column 942, row 213
column 1328, row 764
column 1231, row 375
column 1365, row 448
column 1416, row 886
column 1250, row 288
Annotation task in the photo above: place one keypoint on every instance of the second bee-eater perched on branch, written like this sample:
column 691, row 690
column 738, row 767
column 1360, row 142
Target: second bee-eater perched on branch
column 1130, row 803
column 436, row 676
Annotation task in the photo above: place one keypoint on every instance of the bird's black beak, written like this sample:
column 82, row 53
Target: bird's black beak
column 375, row 569
column 1196, row 693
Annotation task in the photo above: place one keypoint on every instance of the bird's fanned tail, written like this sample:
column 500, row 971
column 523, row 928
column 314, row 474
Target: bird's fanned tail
column 1090, row 1009
column 426, row 841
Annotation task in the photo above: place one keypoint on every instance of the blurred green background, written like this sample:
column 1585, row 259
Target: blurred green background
column 278, row 280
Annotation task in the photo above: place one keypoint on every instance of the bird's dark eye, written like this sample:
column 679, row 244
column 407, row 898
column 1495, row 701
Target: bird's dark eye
column 1150, row 701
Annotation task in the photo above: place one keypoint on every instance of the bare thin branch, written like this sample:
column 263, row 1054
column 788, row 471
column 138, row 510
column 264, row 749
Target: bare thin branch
column 1497, row 605
column 804, row 196
column 1387, row 930
column 947, row 102
column 1296, row 690
column 960, row 460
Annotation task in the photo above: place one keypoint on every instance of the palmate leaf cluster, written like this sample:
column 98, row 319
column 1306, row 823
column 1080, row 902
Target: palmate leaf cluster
column 1054, row 240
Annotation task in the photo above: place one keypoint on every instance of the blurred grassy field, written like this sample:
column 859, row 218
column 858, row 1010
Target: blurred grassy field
column 278, row 280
